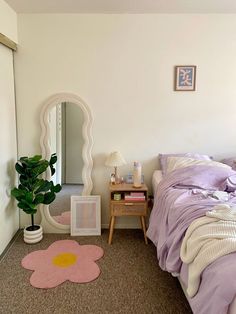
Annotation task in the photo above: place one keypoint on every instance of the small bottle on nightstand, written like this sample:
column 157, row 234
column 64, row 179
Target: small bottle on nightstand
column 137, row 174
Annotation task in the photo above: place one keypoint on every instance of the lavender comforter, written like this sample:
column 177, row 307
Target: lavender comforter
column 182, row 196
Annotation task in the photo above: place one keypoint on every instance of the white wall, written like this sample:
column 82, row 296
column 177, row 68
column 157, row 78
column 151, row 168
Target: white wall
column 9, row 214
column 122, row 66
column 8, row 21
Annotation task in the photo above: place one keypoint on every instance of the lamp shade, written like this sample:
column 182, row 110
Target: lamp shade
column 115, row 159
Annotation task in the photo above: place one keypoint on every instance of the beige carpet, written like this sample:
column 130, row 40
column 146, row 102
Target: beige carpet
column 130, row 281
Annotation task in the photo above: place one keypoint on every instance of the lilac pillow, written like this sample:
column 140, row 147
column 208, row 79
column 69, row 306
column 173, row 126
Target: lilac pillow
column 205, row 177
column 163, row 159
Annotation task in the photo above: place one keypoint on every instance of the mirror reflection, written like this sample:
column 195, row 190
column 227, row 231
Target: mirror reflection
column 66, row 140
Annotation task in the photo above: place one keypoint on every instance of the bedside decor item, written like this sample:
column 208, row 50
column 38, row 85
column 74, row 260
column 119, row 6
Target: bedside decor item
column 117, row 196
column 86, row 215
column 34, row 190
column 129, row 178
column 113, row 178
column 137, row 174
column 185, row 78
column 115, row 160
column 63, row 260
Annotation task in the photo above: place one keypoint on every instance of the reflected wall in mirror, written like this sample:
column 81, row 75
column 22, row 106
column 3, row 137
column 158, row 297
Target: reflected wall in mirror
column 66, row 130
column 66, row 140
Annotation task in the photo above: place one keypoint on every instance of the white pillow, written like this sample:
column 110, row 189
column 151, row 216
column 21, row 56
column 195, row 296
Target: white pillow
column 183, row 162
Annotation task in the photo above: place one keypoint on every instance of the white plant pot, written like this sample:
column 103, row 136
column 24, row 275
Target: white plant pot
column 34, row 236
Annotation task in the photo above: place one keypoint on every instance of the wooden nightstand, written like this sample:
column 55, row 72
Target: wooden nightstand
column 128, row 207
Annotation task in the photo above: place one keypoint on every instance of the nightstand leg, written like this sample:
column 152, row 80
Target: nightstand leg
column 143, row 224
column 112, row 223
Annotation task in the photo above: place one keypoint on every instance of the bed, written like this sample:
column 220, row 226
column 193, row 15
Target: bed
column 168, row 225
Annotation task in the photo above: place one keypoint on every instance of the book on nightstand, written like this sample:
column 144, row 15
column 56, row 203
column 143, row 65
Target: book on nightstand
column 135, row 196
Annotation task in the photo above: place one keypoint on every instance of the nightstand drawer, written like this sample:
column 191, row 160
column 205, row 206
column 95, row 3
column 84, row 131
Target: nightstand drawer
column 129, row 208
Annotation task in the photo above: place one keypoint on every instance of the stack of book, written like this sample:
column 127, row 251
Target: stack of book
column 135, row 196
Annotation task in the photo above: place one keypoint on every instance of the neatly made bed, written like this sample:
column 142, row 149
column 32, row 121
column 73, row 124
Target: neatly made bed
column 181, row 197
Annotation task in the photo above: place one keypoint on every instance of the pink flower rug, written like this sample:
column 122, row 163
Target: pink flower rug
column 63, row 260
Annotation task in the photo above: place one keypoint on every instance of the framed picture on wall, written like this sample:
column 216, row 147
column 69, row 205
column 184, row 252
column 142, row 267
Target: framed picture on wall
column 185, row 78
column 86, row 215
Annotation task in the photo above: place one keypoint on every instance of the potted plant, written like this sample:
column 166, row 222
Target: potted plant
column 34, row 190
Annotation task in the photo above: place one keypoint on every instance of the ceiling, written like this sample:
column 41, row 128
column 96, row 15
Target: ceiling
column 123, row 6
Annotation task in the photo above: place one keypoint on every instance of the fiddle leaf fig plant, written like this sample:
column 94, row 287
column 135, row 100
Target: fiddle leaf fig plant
column 33, row 189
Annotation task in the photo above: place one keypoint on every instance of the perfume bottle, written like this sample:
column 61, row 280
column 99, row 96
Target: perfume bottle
column 137, row 174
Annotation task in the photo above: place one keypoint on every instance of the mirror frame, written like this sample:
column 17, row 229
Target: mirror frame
column 48, row 223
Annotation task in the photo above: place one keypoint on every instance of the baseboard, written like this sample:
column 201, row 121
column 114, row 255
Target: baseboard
column 18, row 232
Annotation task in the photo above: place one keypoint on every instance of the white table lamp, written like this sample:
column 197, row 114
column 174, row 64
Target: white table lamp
column 115, row 160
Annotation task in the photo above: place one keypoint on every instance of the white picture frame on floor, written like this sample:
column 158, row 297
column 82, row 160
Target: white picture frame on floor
column 86, row 215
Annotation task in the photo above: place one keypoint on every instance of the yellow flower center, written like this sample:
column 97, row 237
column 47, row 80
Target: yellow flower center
column 64, row 259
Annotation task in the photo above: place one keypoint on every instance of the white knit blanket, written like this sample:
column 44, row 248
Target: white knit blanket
column 207, row 239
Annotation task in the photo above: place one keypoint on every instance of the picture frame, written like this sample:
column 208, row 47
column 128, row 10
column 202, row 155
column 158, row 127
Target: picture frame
column 185, row 78
column 129, row 178
column 85, row 215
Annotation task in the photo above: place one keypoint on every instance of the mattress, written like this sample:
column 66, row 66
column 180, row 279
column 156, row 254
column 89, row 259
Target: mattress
column 156, row 178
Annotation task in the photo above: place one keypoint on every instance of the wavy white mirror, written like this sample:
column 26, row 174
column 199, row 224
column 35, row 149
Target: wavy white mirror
column 66, row 123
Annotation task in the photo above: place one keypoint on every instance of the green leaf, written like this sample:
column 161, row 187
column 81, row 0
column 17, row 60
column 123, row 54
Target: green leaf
column 42, row 167
column 52, row 170
column 45, row 186
column 35, row 158
column 23, row 206
column 29, row 197
column 24, row 180
column 30, row 211
column 49, row 198
column 17, row 192
column 39, row 199
column 19, row 168
column 53, row 159
column 31, row 160
column 22, row 159
column 57, row 188
column 27, row 203
column 27, row 209
column 21, row 187
column 36, row 183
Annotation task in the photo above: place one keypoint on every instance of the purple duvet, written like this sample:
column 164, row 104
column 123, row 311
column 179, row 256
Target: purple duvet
column 182, row 196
